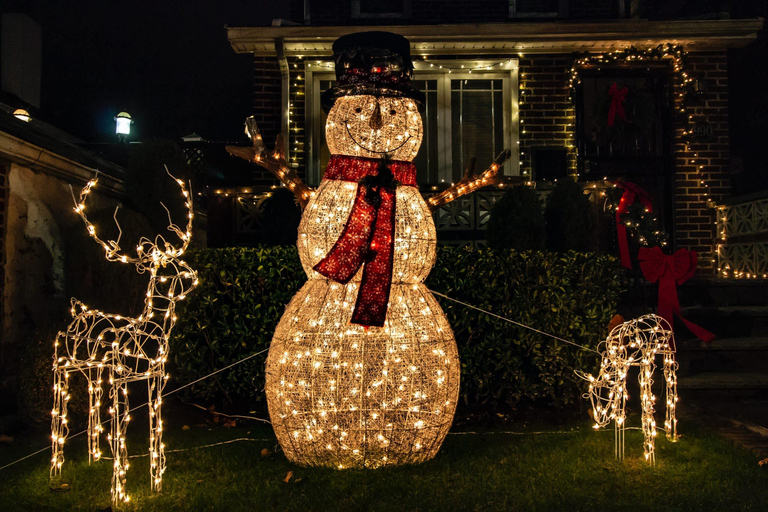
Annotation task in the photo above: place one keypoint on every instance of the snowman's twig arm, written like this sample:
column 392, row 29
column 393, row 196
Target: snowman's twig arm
column 276, row 164
column 471, row 182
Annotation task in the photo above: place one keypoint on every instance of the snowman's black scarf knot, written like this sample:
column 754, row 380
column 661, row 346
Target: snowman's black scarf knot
column 382, row 179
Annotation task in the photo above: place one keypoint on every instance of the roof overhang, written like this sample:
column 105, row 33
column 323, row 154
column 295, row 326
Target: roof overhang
column 37, row 158
column 506, row 38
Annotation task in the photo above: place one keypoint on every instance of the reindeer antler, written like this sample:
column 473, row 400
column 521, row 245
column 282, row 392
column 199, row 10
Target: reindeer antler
column 112, row 247
column 470, row 181
column 186, row 236
column 274, row 162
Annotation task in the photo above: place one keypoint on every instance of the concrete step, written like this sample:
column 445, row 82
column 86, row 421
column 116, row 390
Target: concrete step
column 730, row 321
column 723, row 292
column 733, row 355
column 717, row 385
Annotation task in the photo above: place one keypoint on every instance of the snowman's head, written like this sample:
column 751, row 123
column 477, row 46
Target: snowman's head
column 374, row 126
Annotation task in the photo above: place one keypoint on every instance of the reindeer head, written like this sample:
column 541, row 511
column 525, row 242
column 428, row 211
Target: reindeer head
column 161, row 258
column 608, row 391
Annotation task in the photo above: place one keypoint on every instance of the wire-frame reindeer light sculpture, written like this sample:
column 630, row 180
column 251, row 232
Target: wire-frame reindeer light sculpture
column 635, row 343
column 129, row 349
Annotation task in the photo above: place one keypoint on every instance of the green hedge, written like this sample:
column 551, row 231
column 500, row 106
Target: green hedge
column 243, row 293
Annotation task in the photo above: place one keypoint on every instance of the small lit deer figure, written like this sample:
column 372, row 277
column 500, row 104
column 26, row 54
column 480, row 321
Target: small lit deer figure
column 129, row 349
column 635, row 343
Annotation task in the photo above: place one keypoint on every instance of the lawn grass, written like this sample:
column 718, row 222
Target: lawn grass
column 570, row 470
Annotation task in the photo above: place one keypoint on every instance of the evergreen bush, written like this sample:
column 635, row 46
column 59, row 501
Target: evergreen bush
column 571, row 219
column 517, row 221
column 243, row 293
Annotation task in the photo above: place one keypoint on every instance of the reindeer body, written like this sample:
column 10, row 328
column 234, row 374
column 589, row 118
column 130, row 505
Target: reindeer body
column 128, row 349
column 635, row 343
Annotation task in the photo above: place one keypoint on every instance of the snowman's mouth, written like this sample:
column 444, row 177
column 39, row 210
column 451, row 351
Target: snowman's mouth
column 346, row 125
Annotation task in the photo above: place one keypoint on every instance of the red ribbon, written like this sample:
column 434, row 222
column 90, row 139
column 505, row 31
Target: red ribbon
column 631, row 194
column 368, row 236
column 671, row 270
column 617, row 103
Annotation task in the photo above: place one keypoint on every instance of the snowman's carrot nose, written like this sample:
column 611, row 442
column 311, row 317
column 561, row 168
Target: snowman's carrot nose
column 376, row 122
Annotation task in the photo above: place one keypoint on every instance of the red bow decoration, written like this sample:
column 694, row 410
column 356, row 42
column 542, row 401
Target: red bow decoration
column 631, row 194
column 368, row 236
column 671, row 270
column 617, row 103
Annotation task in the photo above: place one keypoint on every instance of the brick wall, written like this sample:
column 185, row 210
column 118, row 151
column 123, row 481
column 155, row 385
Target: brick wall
column 546, row 112
column 703, row 172
column 266, row 107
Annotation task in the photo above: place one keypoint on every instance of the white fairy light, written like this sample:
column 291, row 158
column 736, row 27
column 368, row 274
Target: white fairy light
column 130, row 349
column 635, row 343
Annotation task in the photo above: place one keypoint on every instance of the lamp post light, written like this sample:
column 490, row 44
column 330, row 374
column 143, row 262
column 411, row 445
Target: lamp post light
column 22, row 115
column 123, row 124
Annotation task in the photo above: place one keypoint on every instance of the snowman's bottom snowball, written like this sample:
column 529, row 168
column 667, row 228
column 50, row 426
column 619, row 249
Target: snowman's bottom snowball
column 343, row 397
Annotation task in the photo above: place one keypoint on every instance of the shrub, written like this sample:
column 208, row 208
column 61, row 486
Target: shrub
column 243, row 293
column 571, row 218
column 231, row 314
column 516, row 221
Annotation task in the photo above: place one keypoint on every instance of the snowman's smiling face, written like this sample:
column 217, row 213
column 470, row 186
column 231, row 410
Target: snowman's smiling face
column 372, row 127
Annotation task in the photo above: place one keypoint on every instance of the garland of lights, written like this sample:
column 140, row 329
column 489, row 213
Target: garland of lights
column 129, row 349
column 635, row 343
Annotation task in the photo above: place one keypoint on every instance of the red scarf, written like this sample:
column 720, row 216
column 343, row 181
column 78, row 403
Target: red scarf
column 368, row 236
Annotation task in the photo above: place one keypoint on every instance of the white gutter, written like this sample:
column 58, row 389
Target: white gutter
column 285, row 96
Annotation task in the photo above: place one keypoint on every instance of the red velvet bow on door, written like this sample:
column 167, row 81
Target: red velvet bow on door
column 631, row 194
column 617, row 103
column 671, row 270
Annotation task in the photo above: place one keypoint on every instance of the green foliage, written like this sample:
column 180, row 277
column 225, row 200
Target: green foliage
column 233, row 313
column 243, row 293
column 571, row 295
column 517, row 221
column 571, row 218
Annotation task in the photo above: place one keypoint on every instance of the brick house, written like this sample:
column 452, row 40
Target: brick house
column 534, row 77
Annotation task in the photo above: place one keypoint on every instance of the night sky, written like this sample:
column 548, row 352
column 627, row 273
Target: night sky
column 167, row 62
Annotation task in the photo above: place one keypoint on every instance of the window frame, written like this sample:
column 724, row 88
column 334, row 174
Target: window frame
column 318, row 71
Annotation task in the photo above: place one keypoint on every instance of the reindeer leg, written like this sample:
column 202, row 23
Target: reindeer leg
column 59, row 427
column 94, row 413
column 649, row 424
column 156, row 449
column 670, row 376
column 120, row 464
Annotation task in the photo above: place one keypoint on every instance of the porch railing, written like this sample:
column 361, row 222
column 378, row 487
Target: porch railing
column 742, row 237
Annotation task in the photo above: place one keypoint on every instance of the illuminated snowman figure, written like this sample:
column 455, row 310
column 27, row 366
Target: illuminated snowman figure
column 363, row 369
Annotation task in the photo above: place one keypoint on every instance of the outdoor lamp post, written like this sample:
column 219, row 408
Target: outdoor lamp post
column 123, row 124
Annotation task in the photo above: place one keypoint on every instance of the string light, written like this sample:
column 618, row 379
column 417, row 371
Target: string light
column 635, row 343
column 129, row 349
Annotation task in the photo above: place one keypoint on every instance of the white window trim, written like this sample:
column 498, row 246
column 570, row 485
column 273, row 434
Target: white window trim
column 507, row 72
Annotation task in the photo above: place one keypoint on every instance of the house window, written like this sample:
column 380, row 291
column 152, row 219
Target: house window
column 537, row 8
column 465, row 115
column 381, row 8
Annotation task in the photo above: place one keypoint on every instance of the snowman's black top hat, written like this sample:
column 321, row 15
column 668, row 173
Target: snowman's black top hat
column 372, row 63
